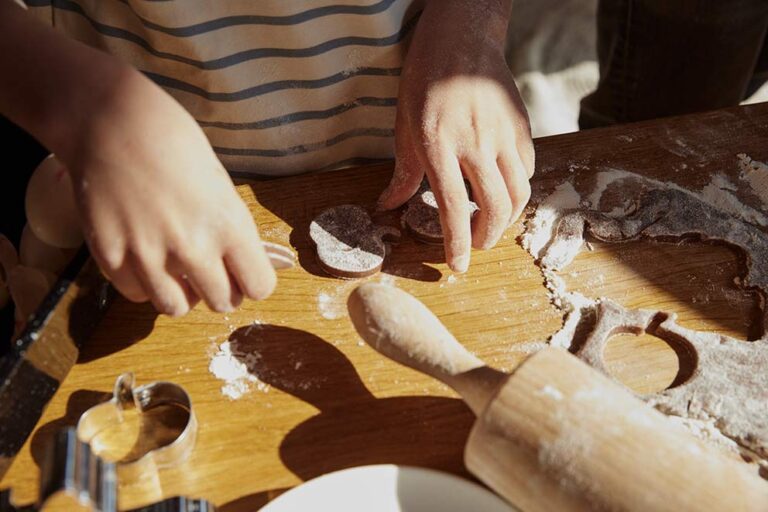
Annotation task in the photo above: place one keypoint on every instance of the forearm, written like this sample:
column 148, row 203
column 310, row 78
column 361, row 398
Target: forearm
column 468, row 19
column 49, row 82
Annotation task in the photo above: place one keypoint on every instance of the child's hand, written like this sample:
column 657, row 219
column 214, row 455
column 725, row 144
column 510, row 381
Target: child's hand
column 159, row 213
column 460, row 116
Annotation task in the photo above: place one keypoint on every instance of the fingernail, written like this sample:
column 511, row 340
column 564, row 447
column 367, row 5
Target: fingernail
column 386, row 195
column 177, row 311
column 460, row 264
column 488, row 245
column 225, row 308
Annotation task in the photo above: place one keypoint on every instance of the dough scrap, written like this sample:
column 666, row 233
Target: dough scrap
column 727, row 379
column 349, row 245
column 727, row 382
column 667, row 215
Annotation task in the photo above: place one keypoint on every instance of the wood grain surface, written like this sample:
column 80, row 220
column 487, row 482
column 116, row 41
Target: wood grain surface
column 328, row 401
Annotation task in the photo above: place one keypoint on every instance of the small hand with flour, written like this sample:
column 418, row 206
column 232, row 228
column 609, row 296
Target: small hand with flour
column 161, row 216
column 460, row 116
column 159, row 213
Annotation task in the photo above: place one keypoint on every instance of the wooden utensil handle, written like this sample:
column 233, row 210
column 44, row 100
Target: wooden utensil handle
column 399, row 326
column 561, row 436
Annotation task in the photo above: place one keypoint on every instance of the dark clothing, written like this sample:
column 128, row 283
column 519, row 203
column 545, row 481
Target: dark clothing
column 668, row 57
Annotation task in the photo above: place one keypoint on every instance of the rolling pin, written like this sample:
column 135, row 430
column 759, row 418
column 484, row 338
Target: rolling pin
column 555, row 434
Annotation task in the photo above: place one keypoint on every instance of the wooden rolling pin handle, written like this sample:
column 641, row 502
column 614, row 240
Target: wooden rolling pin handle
column 561, row 436
column 556, row 434
column 400, row 327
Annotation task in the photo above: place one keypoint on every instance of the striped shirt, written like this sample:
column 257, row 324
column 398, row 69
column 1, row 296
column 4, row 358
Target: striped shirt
column 279, row 86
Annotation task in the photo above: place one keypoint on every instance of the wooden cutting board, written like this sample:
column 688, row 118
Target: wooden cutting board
column 328, row 402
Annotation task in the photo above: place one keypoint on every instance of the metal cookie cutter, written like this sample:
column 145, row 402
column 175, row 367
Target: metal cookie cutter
column 75, row 478
column 127, row 395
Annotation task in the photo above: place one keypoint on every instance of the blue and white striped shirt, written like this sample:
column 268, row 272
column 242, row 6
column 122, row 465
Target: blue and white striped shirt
column 279, row 86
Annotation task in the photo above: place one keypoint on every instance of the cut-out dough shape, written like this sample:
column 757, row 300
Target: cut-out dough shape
column 349, row 244
column 422, row 216
column 729, row 379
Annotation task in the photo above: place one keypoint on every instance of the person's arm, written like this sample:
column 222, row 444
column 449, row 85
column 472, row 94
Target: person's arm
column 460, row 116
column 47, row 78
column 159, row 213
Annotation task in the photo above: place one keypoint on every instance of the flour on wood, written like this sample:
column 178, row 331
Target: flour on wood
column 327, row 308
column 238, row 362
column 332, row 299
column 236, row 370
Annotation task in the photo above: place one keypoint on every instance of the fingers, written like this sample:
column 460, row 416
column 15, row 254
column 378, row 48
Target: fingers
column 139, row 280
column 515, row 175
column 445, row 177
column 116, row 265
column 174, row 286
column 167, row 292
column 404, row 184
column 127, row 283
column 189, row 292
column 176, row 282
column 489, row 191
column 407, row 176
column 251, row 269
column 210, row 280
column 527, row 155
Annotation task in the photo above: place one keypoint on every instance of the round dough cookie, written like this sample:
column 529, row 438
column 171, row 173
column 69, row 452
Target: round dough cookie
column 349, row 244
column 422, row 216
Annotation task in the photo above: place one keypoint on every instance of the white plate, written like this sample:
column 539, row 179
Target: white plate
column 388, row 488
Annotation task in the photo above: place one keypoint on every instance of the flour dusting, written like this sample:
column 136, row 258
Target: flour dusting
column 236, row 370
column 329, row 307
column 756, row 174
column 246, row 362
column 539, row 229
column 332, row 300
column 719, row 193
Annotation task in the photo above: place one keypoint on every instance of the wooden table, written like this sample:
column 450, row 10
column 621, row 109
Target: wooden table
column 331, row 402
